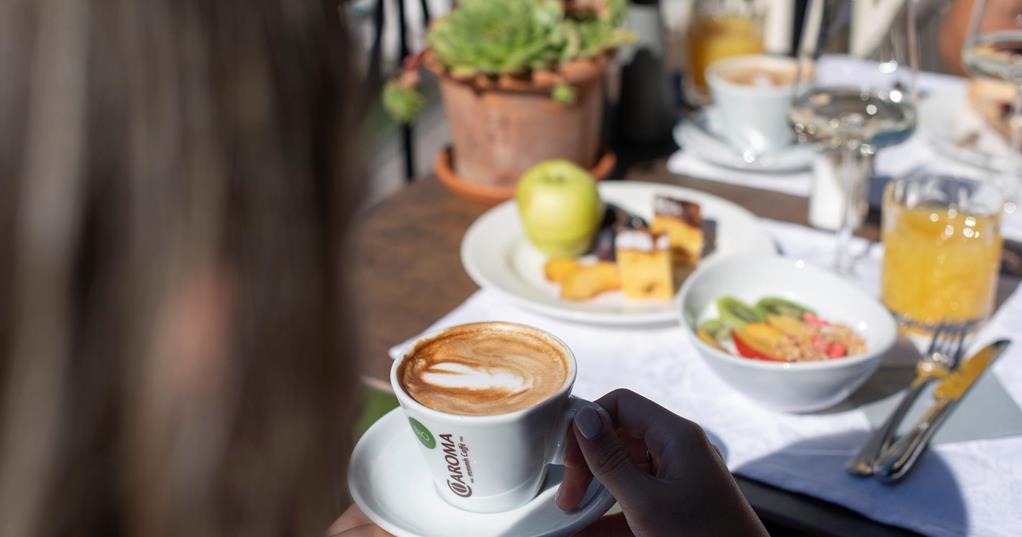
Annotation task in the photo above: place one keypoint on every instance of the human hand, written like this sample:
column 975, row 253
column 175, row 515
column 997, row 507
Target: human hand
column 354, row 523
column 661, row 468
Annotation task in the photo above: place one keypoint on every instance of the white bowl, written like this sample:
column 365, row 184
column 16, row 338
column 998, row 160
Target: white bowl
column 788, row 387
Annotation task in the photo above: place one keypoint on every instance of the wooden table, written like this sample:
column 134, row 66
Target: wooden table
column 409, row 275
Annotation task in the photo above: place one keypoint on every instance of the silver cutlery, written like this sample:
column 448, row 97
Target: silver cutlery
column 896, row 462
column 943, row 356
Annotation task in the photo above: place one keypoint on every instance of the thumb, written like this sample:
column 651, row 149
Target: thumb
column 605, row 454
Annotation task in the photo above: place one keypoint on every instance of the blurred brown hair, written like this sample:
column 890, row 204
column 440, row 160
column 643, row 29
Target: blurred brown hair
column 174, row 358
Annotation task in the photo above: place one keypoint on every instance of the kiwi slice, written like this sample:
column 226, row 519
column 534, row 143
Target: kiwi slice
column 736, row 313
column 715, row 328
column 773, row 305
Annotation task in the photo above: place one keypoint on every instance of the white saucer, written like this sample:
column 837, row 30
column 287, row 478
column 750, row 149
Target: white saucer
column 700, row 134
column 392, row 486
column 948, row 123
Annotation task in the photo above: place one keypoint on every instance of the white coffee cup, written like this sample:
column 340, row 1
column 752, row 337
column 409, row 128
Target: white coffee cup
column 753, row 117
column 493, row 463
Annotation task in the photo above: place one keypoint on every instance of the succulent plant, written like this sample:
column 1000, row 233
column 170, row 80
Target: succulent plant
column 498, row 37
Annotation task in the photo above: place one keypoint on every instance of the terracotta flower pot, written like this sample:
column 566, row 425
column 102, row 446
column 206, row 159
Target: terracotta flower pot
column 500, row 126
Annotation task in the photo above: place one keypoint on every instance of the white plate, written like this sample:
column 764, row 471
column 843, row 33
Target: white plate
column 499, row 258
column 946, row 121
column 392, row 486
column 700, row 134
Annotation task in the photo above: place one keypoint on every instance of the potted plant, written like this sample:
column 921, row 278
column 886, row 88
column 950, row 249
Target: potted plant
column 521, row 82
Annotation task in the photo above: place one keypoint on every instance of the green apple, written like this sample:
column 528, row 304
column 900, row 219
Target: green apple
column 560, row 207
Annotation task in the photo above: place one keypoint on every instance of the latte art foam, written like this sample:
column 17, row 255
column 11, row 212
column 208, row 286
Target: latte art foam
column 458, row 375
column 479, row 370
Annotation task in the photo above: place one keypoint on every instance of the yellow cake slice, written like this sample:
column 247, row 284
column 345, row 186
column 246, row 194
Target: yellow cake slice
column 683, row 223
column 644, row 261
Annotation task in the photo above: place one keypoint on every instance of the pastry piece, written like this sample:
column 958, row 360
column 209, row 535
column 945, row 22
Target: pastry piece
column 992, row 99
column 683, row 223
column 587, row 281
column 644, row 258
column 614, row 218
column 557, row 269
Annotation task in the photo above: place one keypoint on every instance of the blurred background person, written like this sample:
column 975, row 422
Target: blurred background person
column 174, row 194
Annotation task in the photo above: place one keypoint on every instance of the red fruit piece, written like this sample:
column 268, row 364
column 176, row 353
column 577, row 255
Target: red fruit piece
column 813, row 318
column 744, row 349
column 837, row 350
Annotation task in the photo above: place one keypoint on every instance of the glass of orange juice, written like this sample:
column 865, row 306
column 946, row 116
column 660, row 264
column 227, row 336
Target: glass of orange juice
column 942, row 249
column 722, row 29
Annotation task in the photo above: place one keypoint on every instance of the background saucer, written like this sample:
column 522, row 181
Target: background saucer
column 698, row 133
column 392, row 486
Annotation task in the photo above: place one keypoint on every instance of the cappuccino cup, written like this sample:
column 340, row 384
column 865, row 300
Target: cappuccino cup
column 489, row 405
column 751, row 98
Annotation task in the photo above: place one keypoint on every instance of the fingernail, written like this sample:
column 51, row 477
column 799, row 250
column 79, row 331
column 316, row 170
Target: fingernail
column 588, row 423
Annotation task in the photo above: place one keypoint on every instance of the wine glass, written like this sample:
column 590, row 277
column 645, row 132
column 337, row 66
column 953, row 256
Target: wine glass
column 993, row 49
column 855, row 92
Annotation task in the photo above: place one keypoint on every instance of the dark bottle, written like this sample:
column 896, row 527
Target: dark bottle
column 645, row 111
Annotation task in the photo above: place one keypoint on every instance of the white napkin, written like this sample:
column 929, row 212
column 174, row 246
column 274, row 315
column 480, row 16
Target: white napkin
column 957, row 489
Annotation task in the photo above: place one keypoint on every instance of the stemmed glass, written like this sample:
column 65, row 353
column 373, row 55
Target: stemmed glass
column 993, row 49
column 858, row 109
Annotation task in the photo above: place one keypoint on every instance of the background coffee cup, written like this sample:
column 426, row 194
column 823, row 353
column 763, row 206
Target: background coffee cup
column 492, row 463
column 753, row 117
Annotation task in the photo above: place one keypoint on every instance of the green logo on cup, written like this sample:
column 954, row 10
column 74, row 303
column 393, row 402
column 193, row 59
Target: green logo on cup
column 423, row 434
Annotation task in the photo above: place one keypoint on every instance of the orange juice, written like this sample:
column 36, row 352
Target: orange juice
column 940, row 264
column 716, row 38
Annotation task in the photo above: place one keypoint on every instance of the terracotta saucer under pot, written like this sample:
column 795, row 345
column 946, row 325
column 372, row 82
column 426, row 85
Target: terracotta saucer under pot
column 492, row 195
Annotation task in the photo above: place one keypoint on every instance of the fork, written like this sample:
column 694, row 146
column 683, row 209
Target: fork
column 941, row 357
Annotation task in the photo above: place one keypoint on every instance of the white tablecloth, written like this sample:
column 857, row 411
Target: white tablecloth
column 972, row 488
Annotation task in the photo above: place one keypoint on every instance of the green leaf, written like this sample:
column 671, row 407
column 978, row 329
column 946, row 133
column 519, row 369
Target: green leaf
column 563, row 93
column 401, row 103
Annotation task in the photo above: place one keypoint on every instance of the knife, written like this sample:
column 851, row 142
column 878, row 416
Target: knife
column 895, row 463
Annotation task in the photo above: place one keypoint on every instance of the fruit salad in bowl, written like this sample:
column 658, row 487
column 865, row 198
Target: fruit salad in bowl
column 779, row 330
column 785, row 334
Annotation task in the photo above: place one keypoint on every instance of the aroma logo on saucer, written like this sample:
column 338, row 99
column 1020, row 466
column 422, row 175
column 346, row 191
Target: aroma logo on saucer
column 458, row 465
